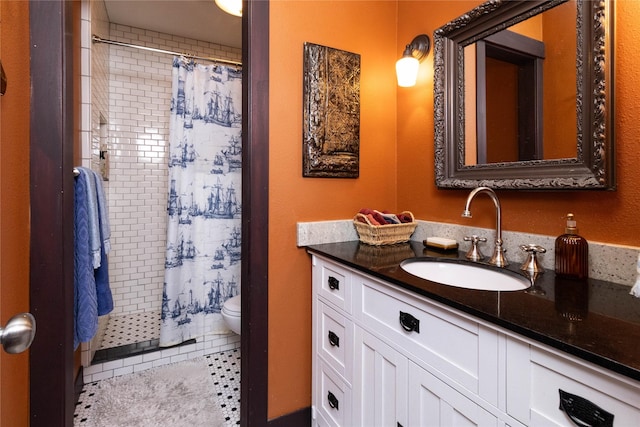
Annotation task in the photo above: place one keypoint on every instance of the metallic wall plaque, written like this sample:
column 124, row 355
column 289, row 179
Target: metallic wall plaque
column 331, row 128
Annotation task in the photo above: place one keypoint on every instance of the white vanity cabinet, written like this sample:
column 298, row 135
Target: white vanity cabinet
column 385, row 356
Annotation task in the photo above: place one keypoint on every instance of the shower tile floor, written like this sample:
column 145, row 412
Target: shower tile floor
column 131, row 328
column 130, row 334
column 224, row 367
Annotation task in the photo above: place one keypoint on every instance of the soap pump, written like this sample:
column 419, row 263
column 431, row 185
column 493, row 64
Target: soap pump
column 572, row 252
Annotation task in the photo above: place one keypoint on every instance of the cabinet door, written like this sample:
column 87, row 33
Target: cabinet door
column 380, row 383
column 434, row 403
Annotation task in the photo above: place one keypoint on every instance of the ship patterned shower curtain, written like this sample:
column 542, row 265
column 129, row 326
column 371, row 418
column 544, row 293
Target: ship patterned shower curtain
column 202, row 266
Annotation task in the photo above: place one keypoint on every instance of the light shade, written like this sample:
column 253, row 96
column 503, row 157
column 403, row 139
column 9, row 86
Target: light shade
column 407, row 71
column 407, row 66
column 233, row 7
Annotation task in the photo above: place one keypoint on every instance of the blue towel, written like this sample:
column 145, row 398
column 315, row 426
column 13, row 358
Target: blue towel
column 86, row 304
column 92, row 214
column 103, row 290
column 105, row 298
column 105, row 228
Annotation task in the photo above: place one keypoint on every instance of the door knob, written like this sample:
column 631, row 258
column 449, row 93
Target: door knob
column 18, row 335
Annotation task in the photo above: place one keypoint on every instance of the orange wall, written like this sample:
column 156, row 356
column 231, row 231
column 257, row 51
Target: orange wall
column 399, row 175
column 367, row 28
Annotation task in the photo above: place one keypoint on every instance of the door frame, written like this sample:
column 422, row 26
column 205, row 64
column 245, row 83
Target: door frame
column 255, row 215
column 52, row 396
column 51, row 171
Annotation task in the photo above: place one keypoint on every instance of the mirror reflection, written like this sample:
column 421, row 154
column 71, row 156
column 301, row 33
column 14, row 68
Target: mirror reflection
column 520, row 91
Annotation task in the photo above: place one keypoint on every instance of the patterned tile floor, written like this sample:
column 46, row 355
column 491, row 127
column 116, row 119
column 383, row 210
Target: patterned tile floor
column 131, row 328
column 225, row 370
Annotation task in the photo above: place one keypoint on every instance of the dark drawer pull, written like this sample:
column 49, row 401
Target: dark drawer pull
column 584, row 413
column 334, row 283
column 409, row 323
column 333, row 401
column 334, row 340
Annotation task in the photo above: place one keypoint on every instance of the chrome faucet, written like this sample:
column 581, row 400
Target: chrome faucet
column 497, row 258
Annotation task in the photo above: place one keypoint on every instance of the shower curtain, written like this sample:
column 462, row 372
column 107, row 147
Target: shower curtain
column 202, row 266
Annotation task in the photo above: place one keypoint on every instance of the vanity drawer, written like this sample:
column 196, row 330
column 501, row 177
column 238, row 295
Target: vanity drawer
column 333, row 398
column 454, row 345
column 333, row 283
column 335, row 339
column 536, row 377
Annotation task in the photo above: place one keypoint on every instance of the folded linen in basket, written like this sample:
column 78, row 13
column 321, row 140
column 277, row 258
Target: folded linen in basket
column 389, row 218
column 385, row 217
column 404, row 218
column 378, row 219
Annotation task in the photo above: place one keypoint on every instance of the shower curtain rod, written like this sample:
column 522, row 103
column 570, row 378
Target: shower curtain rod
column 97, row 39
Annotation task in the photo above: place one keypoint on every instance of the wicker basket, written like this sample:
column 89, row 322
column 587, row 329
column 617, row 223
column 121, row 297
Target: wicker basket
column 388, row 234
column 384, row 256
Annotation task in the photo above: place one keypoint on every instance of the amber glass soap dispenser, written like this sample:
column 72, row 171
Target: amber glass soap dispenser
column 572, row 252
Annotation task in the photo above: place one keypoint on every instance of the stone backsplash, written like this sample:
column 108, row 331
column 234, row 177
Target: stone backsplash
column 613, row 263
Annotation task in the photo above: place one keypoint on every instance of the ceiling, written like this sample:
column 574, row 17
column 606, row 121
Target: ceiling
column 200, row 20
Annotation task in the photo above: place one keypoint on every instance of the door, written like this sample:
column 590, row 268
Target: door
column 434, row 403
column 14, row 204
column 380, row 383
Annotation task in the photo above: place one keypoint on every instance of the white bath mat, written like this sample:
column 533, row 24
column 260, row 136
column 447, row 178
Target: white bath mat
column 179, row 394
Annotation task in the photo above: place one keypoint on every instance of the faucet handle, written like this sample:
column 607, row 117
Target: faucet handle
column 474, row 253
column 531, row 264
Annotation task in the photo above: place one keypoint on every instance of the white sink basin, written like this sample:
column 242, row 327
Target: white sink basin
column 466, row 275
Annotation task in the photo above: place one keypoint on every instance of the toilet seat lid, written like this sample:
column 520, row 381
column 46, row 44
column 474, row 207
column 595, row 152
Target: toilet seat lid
column 232, row 305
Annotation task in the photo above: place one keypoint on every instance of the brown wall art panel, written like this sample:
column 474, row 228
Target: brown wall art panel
column 331, row 128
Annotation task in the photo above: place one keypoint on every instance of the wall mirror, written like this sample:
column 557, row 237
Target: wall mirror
column 523, row 96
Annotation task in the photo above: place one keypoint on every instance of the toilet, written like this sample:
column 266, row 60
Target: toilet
column 231, row 313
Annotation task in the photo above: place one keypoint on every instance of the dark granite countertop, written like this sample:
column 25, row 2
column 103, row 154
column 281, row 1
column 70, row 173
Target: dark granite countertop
column 594, row 320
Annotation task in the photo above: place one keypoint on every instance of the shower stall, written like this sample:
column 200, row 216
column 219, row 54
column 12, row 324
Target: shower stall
column 126, row 98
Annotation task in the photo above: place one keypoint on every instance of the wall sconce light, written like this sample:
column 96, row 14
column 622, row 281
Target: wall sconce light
column 232, row 7
column 407, row 66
